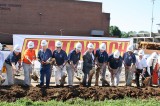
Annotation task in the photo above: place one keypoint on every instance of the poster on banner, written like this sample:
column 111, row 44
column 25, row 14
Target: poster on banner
column 69, row 42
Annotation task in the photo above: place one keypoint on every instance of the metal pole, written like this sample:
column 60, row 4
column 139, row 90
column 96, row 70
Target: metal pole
column 152, row 18
column 61, row 31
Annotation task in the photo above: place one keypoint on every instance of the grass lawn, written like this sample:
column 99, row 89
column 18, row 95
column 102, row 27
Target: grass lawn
column 80, row 102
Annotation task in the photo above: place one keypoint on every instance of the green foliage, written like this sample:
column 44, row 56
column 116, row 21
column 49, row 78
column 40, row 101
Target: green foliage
column 132, row 33
column 128, row 34
column 115, row 31
column 125, row 35
column 81, row 102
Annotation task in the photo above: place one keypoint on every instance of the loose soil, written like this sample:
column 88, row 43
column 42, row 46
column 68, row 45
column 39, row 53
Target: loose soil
column 13, row 93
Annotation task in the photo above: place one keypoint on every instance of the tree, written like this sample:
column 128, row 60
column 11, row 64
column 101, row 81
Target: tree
column 124, row 35
column 115, row 31
column 128, row 34
column 132, row 33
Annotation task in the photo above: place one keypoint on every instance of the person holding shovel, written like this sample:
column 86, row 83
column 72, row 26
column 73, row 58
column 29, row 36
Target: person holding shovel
column 101, row 62
column 28, row 61
column 45, row 57
column 141, row 66
column 60, row 57
column 88, row 65
column 10, row 63
column 151, row 63
column 129, row 61
column 73, row 60
column 114, row 67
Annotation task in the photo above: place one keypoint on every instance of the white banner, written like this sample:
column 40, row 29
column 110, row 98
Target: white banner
column 19, row 39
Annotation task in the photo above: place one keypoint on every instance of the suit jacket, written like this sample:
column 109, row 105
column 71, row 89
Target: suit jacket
column 87, row 62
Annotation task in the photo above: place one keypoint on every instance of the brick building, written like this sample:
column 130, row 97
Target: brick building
column 76, row 18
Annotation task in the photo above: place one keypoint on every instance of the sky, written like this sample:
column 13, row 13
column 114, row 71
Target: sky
column 132, row 15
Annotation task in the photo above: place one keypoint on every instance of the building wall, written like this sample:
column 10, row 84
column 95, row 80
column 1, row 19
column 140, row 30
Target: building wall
column 76, row 18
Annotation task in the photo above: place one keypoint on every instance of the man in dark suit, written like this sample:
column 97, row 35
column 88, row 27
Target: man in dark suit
column 88, row 64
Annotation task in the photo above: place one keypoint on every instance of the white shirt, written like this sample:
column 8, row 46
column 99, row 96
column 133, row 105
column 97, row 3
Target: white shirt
column 150, row 63
column 141, row 63
column 1, row 60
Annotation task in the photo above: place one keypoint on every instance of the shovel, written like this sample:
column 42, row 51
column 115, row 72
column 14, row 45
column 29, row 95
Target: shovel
column 62, row 80
column 2, row 79
column 79, row 79
column 17, row 73
column 146, row 80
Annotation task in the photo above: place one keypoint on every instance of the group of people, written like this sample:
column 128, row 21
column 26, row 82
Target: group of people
column 95, row 62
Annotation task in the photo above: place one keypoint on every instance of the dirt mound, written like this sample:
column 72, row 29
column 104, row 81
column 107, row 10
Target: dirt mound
column 13, row 93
